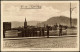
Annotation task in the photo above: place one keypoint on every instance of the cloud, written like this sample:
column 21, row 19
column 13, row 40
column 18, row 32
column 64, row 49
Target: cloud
column 13, row 13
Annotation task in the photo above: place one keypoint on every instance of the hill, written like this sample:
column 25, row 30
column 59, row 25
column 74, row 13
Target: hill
column 59, row 20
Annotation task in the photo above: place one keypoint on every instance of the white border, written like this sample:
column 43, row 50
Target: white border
column 28, row 49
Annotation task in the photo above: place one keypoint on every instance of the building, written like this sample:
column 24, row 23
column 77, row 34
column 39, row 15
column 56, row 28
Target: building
column 25, row 24
column 6, row 25
column 25, row 32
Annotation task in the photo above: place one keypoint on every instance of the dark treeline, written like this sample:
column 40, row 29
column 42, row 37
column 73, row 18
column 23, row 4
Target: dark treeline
column 32, row 31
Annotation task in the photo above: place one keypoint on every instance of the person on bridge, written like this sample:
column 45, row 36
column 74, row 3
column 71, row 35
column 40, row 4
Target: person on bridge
column 60, row 30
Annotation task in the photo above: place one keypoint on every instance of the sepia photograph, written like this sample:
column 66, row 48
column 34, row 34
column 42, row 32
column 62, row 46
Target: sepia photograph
column 40, row 25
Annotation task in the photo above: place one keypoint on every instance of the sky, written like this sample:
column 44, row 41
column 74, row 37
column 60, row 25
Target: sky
column 12, row 11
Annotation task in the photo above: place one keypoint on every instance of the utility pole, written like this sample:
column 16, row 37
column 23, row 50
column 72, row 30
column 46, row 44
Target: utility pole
column 70, row 16
column 71, row 9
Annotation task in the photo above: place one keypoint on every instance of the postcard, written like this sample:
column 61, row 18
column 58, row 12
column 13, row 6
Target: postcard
column 40, row 25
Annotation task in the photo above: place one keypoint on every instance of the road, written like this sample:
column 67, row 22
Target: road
column 41, row 42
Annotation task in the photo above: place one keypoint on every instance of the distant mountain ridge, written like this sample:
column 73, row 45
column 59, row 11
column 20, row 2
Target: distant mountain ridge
column 20, row 24
column 51, row 21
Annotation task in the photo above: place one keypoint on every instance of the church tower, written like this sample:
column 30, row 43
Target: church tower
column 25, row 23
